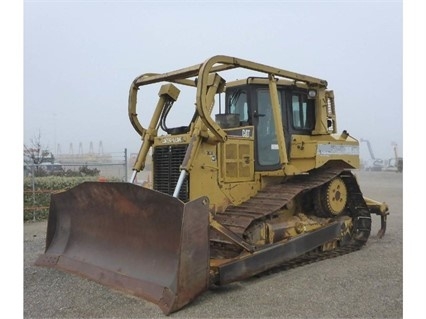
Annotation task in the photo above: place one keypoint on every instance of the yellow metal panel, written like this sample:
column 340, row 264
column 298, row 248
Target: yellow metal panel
column 238, row 159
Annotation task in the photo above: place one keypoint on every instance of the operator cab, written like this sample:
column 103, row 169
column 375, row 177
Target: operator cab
column 248, row 103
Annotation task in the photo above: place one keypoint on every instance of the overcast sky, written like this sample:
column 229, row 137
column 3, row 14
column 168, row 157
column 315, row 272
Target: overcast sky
column 81, row 57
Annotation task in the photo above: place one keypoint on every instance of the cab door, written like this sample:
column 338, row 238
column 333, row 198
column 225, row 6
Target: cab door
column 267, row 152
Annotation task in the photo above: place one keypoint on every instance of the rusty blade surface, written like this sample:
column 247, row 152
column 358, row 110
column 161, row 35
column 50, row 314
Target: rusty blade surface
column 133, row 239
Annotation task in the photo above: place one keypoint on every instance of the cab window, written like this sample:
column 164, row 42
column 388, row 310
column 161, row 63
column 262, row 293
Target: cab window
column 237, row 104
column 302, row 111
column 267, row 145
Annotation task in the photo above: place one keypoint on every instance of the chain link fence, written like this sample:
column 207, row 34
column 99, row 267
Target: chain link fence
column 42, row 180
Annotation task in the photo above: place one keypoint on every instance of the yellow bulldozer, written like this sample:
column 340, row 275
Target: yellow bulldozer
column 267, row 182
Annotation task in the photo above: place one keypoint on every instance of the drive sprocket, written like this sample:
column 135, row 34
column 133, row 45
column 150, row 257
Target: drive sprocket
column 331, row 198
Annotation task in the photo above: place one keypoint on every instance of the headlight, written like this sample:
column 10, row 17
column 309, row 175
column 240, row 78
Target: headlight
column 312, row 94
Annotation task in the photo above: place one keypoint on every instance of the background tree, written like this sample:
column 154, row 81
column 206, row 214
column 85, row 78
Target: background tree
column 35, row 154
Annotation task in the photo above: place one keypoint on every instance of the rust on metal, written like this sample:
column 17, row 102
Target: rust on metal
column 269, row 200
column 248, row 265
column 133, row 239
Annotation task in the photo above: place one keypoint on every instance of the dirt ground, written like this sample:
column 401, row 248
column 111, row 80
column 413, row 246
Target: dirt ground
column 364, row 284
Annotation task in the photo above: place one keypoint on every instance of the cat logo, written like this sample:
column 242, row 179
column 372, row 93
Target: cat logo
column 246, row 133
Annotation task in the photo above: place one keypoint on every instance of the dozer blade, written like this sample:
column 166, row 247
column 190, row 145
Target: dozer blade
column 132, row 239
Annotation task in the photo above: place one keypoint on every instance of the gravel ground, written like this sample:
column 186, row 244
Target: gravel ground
column 364, row 284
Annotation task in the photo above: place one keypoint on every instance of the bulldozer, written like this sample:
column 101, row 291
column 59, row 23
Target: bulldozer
column 268, row 181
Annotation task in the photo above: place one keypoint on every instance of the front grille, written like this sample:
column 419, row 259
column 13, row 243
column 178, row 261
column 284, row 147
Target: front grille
column 166, row 162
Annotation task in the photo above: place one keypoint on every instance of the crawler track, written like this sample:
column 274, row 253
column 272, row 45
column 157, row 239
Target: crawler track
column 274, row 197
